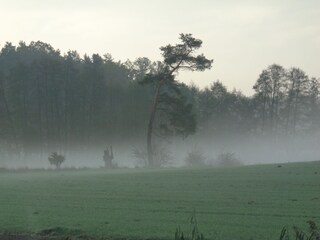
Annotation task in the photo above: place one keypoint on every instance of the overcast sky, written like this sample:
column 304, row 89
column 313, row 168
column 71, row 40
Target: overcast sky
column 243, row 37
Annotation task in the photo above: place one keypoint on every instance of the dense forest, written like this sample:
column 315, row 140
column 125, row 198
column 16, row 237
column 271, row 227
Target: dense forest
column 51, row 101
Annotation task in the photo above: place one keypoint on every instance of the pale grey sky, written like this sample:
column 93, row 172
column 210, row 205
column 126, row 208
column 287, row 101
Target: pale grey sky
column 243, row 37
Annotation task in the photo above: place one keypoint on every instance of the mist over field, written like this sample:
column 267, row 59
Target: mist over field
column 248, row 151
column 78, row 107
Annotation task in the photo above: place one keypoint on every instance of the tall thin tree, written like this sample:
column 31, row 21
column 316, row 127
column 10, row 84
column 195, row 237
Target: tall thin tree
column 176, row 57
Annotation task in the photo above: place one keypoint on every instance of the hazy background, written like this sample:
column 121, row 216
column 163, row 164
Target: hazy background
column 110, row 108
column 243, row 37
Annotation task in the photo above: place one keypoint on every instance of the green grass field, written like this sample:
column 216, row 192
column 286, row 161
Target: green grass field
column 252, row 202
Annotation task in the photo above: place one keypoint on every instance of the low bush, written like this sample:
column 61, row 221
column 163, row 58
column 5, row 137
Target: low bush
column 161, row 156
column 195, row 158
column 228, row 159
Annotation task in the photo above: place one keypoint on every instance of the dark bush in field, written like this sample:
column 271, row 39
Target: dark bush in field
column 56, row 159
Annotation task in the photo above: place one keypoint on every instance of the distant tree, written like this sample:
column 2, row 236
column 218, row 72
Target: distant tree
column 139, row 68
column 56, row 159
column 223, row 113
column 179, row 113
column 269, row 95
column 10, row 127
column 215, row 108
column 298, row 83
column 52, row 101
column 314, row 108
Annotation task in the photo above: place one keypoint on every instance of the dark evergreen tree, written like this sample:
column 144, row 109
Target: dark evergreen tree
column 176, row 57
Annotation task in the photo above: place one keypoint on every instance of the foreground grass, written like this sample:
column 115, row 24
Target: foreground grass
column 233, row 203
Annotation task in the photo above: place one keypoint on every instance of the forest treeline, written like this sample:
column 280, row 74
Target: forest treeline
column 50, row 101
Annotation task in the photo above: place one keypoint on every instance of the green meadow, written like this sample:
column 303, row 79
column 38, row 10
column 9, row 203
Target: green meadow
column 250, row 202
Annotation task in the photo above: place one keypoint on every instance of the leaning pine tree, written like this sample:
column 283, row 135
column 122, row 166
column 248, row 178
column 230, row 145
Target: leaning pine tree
column 168, row 98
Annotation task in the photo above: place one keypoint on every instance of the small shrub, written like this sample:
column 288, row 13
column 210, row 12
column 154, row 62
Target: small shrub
column 140, row 154
column 56, row 159
column 228, row 159
column 161, row 156
column 195, row 158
